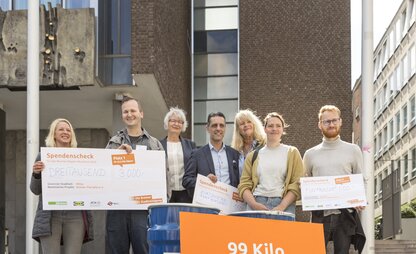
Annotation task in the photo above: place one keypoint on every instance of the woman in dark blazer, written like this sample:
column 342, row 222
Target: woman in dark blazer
column 178, row 150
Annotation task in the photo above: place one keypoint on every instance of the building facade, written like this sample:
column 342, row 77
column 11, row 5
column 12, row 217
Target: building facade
column 394, row 92
column 201, row 55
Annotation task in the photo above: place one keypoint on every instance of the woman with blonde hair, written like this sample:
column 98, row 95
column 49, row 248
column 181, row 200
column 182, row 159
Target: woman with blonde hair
column 248, row 134
column 50, row 227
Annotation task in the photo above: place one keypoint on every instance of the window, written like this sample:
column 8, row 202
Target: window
column 391, row 132
column 406, row 69
column 405, row 170
column 411, row 12
column 397, row 120
column 403, row 24
column 386, row 95
column 380, row 143
column 114, row 37
column 399, row 74
column 216, row 41
column 5, row 5
column 215, row 64
column 385, row 139
column 216, row 18
column 413, row 162
column 412, row 112
column 398, row 35
column 392, row 42
column 404, row 117
column 412, row 60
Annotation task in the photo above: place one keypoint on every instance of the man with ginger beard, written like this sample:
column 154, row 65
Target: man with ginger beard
column 336, row 157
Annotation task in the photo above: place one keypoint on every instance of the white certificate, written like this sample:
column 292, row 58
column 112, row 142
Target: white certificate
column 332, row 192
column 219, row 195
column 102, row 179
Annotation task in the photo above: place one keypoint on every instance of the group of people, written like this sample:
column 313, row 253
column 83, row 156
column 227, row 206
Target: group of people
column 265, row 171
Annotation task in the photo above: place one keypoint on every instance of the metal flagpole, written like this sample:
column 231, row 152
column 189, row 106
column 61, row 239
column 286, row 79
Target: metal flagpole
column 367, row 123
column 32, row 118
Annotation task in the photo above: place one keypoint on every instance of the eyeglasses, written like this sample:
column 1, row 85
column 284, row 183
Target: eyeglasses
column 176, row 121
column 334, row 121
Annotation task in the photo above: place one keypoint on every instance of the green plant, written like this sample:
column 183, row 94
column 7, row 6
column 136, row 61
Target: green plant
column 407, row 211
column 378, row 228
column 413, row 204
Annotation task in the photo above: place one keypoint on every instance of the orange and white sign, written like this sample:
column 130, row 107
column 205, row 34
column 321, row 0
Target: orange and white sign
column 102, row 179
column 220, row 234
column 332, row 192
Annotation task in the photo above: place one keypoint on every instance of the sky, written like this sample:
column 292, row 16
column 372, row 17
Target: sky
column 383, row 13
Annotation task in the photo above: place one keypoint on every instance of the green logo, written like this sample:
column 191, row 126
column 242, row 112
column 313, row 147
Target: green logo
column 78, row 203
column 57, row 203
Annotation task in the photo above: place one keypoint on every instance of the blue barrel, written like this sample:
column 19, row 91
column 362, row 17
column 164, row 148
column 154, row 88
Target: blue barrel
column 274, row 215
column 163, row 233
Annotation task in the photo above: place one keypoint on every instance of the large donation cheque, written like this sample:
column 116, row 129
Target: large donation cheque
column 102, row 179
column 332, row 192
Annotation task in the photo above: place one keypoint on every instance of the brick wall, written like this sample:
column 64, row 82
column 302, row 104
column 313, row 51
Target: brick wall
column 160, row 47
column 294, row 58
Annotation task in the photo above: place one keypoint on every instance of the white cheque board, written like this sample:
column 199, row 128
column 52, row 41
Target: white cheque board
column 219, row 195
column 332, row 192
column 102, row 179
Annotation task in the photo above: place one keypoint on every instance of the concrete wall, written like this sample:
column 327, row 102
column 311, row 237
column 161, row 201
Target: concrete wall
column 408, row 229
column 295, row 58
column 16, row 187
column 67, row 47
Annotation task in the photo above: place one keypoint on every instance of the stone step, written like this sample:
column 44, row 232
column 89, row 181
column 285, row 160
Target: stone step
column 395, row 246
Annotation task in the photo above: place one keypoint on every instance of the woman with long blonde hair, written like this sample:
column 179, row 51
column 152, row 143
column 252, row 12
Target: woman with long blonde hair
column 50, row 227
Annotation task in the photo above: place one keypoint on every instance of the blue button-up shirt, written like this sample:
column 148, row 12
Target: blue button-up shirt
column 220, row 164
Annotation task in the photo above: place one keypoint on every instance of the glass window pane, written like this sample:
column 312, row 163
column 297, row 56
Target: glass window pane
column 53, row 2
column 216, row 64
column 115, row 71
column 201, row 136
column 215, row 41
column 4, row 5
column 203, row 108
column 215, row 88
column 125, row 27
column 216, row 18
column 203, row 3
column 75, row 4
column 20, row 4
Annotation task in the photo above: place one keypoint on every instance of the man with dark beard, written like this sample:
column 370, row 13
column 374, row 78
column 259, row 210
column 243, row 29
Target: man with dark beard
column 335, row 157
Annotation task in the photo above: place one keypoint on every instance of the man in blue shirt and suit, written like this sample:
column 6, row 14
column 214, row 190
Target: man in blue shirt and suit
column 215, row 160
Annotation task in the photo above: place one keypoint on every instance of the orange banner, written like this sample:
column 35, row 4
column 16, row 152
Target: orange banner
column 209, row 234
column 122, row 159
column 342, row 180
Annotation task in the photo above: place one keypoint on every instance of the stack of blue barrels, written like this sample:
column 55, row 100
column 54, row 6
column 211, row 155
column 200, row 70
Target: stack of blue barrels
column 163, row 234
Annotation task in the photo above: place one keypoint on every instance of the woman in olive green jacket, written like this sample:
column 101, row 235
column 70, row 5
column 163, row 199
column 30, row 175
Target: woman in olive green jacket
column 270, row 181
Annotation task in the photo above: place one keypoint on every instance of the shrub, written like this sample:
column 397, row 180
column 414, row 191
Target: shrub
column 378, row 228
column 407, row 211
column 413, row 205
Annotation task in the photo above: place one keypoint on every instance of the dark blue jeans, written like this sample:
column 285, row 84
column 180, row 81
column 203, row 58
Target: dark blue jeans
column 334, row 230
column 125, row 227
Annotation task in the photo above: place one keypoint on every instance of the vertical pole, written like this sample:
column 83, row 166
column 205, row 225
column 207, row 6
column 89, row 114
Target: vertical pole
column 32, row 122
column 367, row 124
